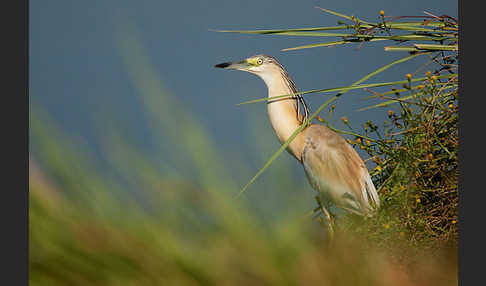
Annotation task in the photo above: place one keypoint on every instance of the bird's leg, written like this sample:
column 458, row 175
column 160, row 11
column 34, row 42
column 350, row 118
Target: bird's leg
column 329, row 222
column 328, row 217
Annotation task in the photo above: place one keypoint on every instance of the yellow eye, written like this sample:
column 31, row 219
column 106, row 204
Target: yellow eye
column 255, row 61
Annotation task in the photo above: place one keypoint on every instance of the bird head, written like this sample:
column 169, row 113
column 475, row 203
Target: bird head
column 256, row 64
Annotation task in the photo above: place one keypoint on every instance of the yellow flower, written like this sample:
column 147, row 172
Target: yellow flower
column 368, row 142
column 420, row 87
column 382, row 13
column 434, row 78
column 378, row 168
column 451, row 105
column 344, row 119
column 431, row 156
column 358, row 140
column 390, row 112
column 402, row 188
column 428, row 73
column 454, row 221
column 417, row 200
column 409, row 76
column 387, row 226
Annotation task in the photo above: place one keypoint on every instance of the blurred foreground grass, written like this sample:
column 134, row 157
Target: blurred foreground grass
column 70, row 245
column 169, row 217
column 195, row 238
column 203, row 240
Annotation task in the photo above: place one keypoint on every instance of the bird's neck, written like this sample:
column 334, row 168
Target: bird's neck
column 283, row 113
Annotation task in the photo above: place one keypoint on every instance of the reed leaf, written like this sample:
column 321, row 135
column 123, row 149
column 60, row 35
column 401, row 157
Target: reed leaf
column 388, row 102
column 343, row 16
column 273, row 31
column 327, row 44
column 406, row 89
column 311, row 33
column 432, row 47
column 401, row 49
column 344, row 89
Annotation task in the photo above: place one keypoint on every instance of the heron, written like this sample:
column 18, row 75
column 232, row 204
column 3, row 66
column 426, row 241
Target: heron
column 332, row 166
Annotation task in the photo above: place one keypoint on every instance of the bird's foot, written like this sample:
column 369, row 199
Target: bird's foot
column 330, row 221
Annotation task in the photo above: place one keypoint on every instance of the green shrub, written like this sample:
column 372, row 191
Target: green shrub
column 415, row 149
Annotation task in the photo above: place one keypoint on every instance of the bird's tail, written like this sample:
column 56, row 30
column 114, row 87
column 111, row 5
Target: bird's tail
column 370, row 191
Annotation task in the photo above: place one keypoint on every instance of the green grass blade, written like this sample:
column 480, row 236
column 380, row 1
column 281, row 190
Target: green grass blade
column 410, row 28
column 405, row 90
column 274, row 31
column 344, row 89
column 312, row 34
column 420, row 24
column 401, row 49
column 327, row 44
column 290, row 32
column 308, row 33
column 344, row 16
column 388, row 102
column 354, row 85
column 335, row 13
column 368, row 38
column 419, row 47
column 411, row 37
column 385, row 67
column 286, row 144
column 436, row 47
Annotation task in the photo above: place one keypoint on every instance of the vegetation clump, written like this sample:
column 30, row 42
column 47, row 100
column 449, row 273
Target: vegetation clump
column 415, row 149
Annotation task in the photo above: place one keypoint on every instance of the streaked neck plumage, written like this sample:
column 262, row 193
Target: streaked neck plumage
column 284, row 113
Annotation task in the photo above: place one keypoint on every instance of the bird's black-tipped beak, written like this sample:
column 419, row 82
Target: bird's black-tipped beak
column 242, row 65
column 222, row 65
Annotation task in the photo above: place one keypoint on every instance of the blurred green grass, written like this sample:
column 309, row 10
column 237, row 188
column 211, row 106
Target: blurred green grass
column 170, row 217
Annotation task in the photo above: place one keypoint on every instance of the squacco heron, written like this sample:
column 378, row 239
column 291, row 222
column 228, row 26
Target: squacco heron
column 334, row 169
